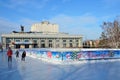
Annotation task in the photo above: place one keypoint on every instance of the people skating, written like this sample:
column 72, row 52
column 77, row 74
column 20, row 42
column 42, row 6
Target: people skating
column 9, row 54
column 17, row 54
column 23, row 56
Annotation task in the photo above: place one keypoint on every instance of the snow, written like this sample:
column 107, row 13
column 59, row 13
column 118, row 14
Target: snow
column 35, row 68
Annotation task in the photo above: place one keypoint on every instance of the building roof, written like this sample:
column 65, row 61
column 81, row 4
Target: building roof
column 40, row 35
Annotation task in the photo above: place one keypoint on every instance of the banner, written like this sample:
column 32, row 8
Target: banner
column 77, row 55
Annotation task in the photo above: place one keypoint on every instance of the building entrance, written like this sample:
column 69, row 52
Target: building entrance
column 42, row 45
column 26, row 45
column 17, row 46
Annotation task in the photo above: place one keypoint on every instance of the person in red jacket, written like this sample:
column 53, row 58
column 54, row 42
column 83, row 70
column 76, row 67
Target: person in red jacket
column 9, row 54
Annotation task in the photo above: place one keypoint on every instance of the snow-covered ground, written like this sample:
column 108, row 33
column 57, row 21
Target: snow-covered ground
column 39, row 69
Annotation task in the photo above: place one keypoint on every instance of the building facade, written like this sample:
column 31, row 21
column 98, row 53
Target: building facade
column 91, row 44
column 45, row 26
column 40, row 39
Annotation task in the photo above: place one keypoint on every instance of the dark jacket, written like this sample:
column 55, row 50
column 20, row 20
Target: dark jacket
column 17, row 53
column 23, row 54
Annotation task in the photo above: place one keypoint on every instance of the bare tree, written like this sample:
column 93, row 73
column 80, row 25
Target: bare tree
column 111, row 32
column 103, row 41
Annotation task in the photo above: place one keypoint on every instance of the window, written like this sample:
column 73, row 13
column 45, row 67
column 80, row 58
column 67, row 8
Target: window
column 26, row 40
column 76, row 40
column 64, row 40
column 50, row 45
column 26, row 45
column 42, row 40
column 70, row 40
column 42, row 45
column 35, row 41
column 17, row 40
column 71, row 45
column 50, row 40
column 8, row 40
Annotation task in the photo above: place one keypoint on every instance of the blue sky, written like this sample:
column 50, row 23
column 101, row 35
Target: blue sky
column 82, row 17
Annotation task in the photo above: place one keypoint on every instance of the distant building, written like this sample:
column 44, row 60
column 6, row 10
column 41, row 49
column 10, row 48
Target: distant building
column 39, row 37
column 91, row 44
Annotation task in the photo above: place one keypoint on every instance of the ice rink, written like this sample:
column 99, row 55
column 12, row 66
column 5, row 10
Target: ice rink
column 36, row 69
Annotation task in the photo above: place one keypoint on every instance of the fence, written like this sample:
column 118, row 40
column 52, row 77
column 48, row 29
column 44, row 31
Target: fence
column 83, row 54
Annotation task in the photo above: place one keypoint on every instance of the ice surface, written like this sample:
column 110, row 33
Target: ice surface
column 39, row 69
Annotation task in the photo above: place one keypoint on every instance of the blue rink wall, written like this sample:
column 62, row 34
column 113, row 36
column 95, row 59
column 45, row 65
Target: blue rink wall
column 82, row 54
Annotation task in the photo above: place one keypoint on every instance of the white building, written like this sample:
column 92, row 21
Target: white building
column 45, row 26
column 41, row 37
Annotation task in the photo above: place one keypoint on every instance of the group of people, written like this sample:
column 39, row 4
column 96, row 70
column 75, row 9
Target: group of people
column 10, row 53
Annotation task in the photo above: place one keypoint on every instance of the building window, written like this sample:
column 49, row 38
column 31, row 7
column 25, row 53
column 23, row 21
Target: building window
column 71, row 45
column 35, row 41
column 50, row 40
column 64, row 40
column 8, row 41
column 26, row 45
column 17, row 40
column 70, row 40
column 42, row 40
column 17, row 46
column 26, row 40
column 42, row 45
column 50, row 45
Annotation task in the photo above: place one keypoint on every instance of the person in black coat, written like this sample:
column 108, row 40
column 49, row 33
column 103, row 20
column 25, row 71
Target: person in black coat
column 23, row 56
column 17, row 54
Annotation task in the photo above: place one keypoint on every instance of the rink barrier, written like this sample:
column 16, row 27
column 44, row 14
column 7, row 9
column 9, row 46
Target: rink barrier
column 83, row 54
